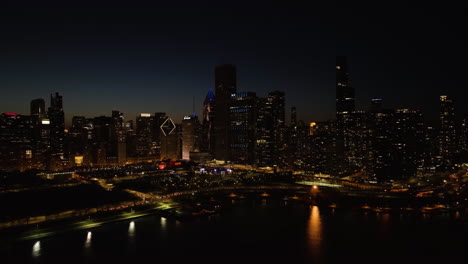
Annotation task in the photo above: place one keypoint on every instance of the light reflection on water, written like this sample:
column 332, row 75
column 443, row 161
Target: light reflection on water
column 131, row 229
column 163, row 224
column 384, row 223
column 321, row 229
column 131, row 245
column 36, row 250
column 314, row 231
column 88, row 240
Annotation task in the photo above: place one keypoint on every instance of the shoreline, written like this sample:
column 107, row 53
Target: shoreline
column 330, row 198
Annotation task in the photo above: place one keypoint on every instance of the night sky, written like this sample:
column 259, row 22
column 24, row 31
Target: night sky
column 146, row 58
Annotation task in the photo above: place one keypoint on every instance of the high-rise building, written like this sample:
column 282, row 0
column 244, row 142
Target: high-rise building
column 102, row 147
column 344, row 107
column 118, row 138
column 448, row 134
column 408, row 144
column 293, row 116
column 57, row 124
column 190, row 132
column 321, row 154
column 271, row 144
column 38, row 113
column 159, row 119
column 301, row 144
column 102, row 129
column 170, row 140
column 243, row 119
column 15, row 142
column 464, row 134
column 45, row 140
column 379, row 156
column 376, row 105
column 77, row 138
column 264, row 134
column 225, row 86
column 358, row 137
column 117, row 130
column 78, row 122
column 276, row 101
column 144, row 134
column 38, row 108
column 395, row 145
column 293, row 129
column 344, row 93
column 207, row 140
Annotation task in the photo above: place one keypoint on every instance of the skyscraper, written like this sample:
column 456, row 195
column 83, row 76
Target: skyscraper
column 263, row 134
column 225, row 85
column 118, row 145
column 170, row 140
column 57, row 124
column 243, row 119
column 190, row 132
column 77, row 136
column 344, row 93
column 144, row 133
column 293, row 146
column 278, row 148
column 38, row 113
column 38, row 108
column 344, row 108
column 207, row 134
column 464, row 134
column 293, row 116
column 447, row 134
column 15, row 141
column 407, row 143
column 159, row 119
column 117, row 130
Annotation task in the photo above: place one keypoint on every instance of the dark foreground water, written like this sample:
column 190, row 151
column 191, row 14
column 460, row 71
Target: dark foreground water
column 259, row 231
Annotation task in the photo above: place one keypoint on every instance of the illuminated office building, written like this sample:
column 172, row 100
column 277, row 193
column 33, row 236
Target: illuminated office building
column 190, row 139
column 57, row 124
column 242, row 127
column 171, row 145
column 447, row 131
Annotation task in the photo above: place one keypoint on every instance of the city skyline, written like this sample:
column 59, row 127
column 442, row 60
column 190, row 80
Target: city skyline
column 310, row 132
column 136, row 59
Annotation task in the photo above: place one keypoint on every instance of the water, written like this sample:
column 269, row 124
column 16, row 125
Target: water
column 262, row 231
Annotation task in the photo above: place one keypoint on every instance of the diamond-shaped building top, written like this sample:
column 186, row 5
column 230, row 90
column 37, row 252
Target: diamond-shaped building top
column 168, row 127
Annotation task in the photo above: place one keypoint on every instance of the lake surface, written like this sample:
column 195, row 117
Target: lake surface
column 259, row 230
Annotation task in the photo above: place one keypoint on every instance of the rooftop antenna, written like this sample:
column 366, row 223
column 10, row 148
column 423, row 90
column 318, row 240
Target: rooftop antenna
column 193, row 105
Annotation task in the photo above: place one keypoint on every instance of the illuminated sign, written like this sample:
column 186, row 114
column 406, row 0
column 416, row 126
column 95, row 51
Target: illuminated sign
column 187, row 117
column 145, row 115
column 11, row 114
column 168, row 127
column 45, row 122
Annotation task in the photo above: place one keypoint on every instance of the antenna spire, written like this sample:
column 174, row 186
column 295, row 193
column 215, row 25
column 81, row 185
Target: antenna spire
column 193, row 105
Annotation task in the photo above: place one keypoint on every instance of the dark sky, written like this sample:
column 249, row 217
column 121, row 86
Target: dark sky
column 155, row 57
